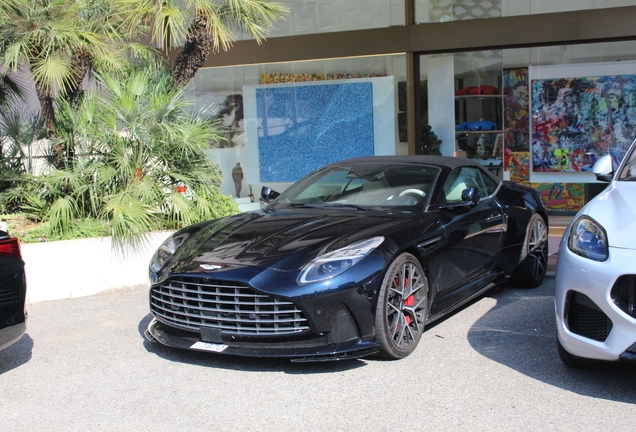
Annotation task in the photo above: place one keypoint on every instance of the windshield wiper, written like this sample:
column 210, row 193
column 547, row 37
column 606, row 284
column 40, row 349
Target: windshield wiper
column 333, row 205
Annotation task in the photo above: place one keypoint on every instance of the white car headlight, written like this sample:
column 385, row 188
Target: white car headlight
column 588, row 239
column 166, row 250
column 334, row 263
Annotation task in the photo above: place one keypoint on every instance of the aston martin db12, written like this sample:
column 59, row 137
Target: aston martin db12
column 352, row 260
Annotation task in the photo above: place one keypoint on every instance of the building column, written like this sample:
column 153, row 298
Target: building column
column 441, row 100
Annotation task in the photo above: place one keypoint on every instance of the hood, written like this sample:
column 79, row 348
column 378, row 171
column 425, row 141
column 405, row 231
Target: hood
column 615, row 210
column 282, row 240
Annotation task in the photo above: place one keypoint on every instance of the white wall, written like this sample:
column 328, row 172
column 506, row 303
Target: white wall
column 78, row 268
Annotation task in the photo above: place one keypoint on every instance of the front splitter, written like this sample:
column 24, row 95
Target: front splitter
column 329, row 352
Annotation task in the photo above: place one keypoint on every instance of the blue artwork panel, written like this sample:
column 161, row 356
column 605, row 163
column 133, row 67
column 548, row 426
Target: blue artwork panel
column 303, row 127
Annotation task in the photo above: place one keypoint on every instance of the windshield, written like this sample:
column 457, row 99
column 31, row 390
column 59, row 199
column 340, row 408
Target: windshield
column 628, row 172
column 367, row 187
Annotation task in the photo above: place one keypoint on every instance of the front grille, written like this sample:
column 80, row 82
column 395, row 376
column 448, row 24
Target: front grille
column 231, row 307
column 586, row 319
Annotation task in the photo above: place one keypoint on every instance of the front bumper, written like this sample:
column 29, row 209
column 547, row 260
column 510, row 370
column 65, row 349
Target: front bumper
column 589, row 323
column 269, row 315
column 315, row 350
column 10, row 335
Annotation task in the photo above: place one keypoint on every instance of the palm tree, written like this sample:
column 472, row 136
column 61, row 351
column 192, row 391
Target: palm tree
column 200, row 26
column 57, row 41
column 138, row 147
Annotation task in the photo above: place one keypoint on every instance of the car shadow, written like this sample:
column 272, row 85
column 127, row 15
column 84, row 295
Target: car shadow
column 17, row 354
column 520, row 333
column 246, row 364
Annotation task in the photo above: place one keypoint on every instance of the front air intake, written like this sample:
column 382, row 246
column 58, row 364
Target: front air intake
column 623, row 294
column 585, row 318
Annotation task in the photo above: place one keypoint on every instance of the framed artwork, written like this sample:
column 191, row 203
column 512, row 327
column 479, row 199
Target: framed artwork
column 295, row 128
column 516, row 109
column 578, row 120
column 305, row 127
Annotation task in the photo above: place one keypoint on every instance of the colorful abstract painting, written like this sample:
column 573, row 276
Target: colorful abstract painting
column 516, row 108
column 518, row 165
column 566, row 197
column 578, row 120
column 278, row 78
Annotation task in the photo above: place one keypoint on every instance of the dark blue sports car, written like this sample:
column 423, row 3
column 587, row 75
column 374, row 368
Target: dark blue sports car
column 352, row 260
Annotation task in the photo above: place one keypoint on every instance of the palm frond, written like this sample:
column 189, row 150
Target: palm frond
column 62, row 214
column 130, row 220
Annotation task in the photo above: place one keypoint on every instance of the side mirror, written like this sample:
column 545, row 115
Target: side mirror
column 604, row 169
column 470, row 196
column 267, row 195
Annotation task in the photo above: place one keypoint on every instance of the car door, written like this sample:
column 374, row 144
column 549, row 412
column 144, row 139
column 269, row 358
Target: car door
column 473, row 236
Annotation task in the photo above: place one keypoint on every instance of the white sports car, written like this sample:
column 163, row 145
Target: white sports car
column 595, row 290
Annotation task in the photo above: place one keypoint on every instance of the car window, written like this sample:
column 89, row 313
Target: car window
column 372, row 185
column 490, row 186
column 326, row 187
column 628, row 173
column 465, row 177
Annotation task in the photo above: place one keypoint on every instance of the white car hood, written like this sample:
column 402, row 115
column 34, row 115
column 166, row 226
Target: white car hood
column 615, row 210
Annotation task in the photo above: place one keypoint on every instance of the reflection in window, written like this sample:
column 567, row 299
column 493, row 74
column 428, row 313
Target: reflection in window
column 430, row 11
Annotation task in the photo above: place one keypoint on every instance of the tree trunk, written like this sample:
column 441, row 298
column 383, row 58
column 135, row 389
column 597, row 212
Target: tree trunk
column 48, row 113
column 194, row 52
column 80, row 62
column 46, row 107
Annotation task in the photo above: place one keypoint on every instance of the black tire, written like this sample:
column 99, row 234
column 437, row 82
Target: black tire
column 533, row 261
column 402, row 308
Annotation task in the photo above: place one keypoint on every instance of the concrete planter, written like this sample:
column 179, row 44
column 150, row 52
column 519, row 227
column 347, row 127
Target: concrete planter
column 77, row 268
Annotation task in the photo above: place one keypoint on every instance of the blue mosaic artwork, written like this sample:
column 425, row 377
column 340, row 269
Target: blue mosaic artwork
column 303, row 127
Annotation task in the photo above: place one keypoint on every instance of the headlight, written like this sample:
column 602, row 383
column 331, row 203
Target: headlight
column 334, row 263
column 588, row 239
column 166, row 250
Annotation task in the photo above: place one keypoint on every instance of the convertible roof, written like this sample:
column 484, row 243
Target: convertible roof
column 442, row 161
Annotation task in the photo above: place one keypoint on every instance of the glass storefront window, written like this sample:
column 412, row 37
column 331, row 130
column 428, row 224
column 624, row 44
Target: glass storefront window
column 325, row 16
column 429, row 11
column 536, row 116
column 281, row 121
column 465, row 105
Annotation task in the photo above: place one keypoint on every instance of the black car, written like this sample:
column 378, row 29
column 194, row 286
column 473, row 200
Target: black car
column 352, row 260
column 12, row 291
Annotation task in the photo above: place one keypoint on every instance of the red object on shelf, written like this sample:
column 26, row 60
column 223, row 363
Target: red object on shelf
column 484, row 90
column 465, row 91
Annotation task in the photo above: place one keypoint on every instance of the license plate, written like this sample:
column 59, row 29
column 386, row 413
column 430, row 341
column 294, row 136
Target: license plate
column 206, row 346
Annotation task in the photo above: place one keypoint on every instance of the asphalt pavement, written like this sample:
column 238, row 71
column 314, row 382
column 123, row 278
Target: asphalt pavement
column 493, row 365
